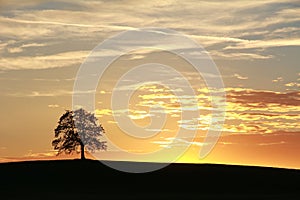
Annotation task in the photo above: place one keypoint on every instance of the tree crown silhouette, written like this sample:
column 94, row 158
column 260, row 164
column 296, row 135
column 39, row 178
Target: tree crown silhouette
column 78, row 129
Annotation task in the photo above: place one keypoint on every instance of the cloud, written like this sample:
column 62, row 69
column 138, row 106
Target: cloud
column 20, row 21
column 248, row 111
column 262, row 140
column 262, row 97
column 23, row 46
column 210, row 39
column 42, row 94
column 140, row 115
column 238, row 56
column 159, row 130
column 40, row 154
column 278, row 79
column 103, row 112
column 175, row 142
column 14, row 50
column 292, row 84
column 266, row 43
column 237, row 26
column 240, row 77
column 259, row 111
column 271, row 143
column 43, row 62
column 53, row 105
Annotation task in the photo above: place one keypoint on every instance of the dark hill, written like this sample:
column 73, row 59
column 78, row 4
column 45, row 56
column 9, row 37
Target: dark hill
column 76, row 179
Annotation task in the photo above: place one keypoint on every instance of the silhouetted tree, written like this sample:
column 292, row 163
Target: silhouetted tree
column 78, row 129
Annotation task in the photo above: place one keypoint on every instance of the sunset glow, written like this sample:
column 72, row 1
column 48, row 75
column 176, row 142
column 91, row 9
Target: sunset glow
column 254, row 44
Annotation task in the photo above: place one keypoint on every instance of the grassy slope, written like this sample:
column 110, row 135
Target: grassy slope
column 69, row 179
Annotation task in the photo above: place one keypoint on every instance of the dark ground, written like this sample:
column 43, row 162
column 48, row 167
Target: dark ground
column 76, row 179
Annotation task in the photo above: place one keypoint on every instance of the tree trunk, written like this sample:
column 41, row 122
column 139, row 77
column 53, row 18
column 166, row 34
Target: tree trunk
column 82, row 151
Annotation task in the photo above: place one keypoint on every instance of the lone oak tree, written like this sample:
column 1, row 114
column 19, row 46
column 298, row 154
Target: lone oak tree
column 76, row 130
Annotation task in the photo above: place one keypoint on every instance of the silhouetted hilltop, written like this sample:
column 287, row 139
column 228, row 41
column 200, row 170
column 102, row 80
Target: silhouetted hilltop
column 77, row 179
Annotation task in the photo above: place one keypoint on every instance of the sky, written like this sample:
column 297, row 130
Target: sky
column 254, row 44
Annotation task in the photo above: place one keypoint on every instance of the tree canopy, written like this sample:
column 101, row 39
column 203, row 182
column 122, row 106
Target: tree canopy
column 78, row 130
